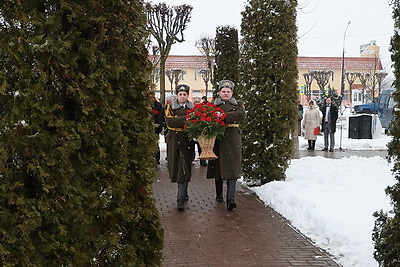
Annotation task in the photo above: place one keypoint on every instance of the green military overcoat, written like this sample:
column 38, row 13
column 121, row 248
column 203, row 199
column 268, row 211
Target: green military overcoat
column 229, row 147
column 180, row 150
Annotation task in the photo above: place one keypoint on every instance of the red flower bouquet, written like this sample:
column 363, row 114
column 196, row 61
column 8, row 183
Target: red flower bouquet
column 205, row 122
column 205, row 119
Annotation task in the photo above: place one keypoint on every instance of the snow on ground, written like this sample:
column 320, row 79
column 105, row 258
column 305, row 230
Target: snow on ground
column 331, row 201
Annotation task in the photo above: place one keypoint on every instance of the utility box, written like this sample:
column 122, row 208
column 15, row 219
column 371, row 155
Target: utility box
column 360, row 127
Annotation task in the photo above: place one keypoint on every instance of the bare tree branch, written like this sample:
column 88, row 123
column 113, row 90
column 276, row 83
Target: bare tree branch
column 166, row 24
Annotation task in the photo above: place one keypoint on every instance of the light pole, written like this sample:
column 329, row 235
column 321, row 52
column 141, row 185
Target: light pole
column 343, row 71
column 342, row 87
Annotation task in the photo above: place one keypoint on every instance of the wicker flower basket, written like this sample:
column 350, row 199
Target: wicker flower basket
column 207, row 146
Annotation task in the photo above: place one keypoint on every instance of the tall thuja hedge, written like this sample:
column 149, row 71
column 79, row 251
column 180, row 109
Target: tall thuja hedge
column 226, row 55
column 76, row 136
column 268, row 74
column 386, row 233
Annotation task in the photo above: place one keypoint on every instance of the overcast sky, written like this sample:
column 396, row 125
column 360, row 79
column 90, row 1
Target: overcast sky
column 321, row 25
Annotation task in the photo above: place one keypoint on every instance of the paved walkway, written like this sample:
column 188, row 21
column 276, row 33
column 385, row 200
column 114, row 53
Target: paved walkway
column 206, row 234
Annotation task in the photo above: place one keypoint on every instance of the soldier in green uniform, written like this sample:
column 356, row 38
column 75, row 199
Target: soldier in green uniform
column 180, row 150
column 229, row 147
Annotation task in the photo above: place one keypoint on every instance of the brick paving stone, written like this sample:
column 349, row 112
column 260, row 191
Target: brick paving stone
column 206, row 234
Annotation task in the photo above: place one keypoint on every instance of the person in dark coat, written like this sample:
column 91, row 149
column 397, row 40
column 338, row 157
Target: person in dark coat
column 180, row 149
column 329, row 117
column 159, row 120
column 228, row 148
column 299, row 117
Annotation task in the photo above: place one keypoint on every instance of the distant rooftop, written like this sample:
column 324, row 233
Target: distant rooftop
column 304, row 63
column 332, row 63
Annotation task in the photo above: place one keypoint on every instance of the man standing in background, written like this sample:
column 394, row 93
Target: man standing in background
column 329, row 117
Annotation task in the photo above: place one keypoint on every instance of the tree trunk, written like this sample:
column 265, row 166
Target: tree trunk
column 295, row 137
column 163, row 59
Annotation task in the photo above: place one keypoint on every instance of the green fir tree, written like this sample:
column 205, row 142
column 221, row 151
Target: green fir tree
column 331, row 93
column 268, row 74
column 226, row 55
column 76, row 142
column 386, row 233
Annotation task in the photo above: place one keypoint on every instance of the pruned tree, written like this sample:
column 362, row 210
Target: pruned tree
column 206, row 75
column 167, row 24
column 268, row 74
column 174, row 77
column 77, row 138
column 386, row 233
column 206, row 46
column 155, row 73
column 351, row 78
column 365, row 78
column 226, row 55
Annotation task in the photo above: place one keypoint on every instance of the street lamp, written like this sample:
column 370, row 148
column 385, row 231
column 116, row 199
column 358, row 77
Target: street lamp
column 343, row 71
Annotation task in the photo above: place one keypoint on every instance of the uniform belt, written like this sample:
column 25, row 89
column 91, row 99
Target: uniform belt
column 232, row 125
column 175, row 129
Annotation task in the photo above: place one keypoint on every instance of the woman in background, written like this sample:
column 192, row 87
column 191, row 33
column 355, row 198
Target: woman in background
column 311, row 120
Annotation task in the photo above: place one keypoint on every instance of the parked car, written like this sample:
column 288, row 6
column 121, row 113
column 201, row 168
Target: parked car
column 386, row 107
column 367, row 108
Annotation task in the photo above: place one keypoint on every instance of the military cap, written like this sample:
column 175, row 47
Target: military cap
column 182, row 87
column 226, row 84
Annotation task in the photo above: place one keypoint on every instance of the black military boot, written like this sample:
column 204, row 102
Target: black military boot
column 182, row 192
column 230, row 194
column 219, row 189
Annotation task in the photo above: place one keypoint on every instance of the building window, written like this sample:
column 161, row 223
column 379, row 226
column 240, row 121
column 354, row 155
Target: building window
column 345, row 95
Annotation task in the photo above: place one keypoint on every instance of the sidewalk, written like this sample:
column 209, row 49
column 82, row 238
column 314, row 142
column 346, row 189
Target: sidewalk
column 206, row 234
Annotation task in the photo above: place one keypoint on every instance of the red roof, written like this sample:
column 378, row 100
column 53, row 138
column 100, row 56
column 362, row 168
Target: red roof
column 181, row 62
column 334, row 63
column 307, row 63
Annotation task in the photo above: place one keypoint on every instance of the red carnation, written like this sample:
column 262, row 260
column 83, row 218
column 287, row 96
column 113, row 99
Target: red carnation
column 156, row 111
column 205, row 119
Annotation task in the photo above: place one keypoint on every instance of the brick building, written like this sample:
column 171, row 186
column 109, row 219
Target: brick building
column 366, row 63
